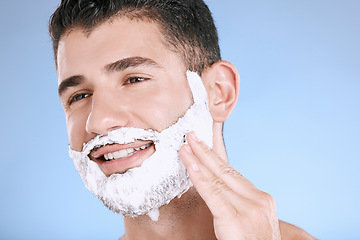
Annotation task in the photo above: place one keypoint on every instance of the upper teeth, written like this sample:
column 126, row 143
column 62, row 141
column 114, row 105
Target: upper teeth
column 124, row 153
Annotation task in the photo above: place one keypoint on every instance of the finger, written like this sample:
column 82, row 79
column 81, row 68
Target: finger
column 214, row 164
column 196, row 165
column 218, row 196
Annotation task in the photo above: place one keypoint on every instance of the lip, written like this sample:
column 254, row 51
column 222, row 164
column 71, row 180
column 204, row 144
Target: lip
column 121, row 165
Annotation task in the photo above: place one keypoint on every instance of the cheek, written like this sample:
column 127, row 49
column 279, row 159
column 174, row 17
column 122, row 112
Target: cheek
column 161, row 109
column 147, row 110
column 76, row 124
column 179, row 102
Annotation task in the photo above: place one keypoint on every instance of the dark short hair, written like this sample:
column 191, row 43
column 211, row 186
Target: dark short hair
column 187, row 25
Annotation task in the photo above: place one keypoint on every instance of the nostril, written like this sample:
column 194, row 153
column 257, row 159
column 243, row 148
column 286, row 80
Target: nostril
column 106, row 113
column 103, row 125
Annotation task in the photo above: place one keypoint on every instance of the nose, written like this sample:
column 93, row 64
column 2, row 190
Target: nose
column 106, row 114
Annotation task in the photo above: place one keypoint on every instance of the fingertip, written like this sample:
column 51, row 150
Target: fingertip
column 197, row 145
column 187, row 160
column 188, row 148
column 194, row 136
column 185, row 153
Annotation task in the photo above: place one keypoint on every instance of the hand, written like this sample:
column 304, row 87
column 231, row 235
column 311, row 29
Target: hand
column 239, row 209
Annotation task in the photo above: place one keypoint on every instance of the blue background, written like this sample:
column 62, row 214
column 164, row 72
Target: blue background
column 295, row 132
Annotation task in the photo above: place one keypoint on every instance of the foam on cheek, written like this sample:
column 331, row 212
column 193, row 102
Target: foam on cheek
column 162, row 176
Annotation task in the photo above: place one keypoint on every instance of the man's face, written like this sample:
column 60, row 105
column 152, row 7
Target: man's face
column 121, row 75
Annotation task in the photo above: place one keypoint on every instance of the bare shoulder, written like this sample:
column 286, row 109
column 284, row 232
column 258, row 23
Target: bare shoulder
column 288, row 232
column 292, row 232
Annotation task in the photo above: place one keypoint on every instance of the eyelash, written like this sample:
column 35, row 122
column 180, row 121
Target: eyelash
column 130, row 80
column 76, row 96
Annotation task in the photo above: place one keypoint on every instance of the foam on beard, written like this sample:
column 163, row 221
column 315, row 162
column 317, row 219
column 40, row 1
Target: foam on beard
column 162, row 176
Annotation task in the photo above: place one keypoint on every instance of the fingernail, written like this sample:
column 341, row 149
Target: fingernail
column 195, row 167
column 194, row 136
column 188, row 148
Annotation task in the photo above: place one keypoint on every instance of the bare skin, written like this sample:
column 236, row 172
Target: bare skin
column 154, row 94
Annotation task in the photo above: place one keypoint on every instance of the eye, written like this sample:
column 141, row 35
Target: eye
column 132, row 80
column 78, row 97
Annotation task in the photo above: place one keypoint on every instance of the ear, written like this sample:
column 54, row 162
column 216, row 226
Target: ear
column 222, row 83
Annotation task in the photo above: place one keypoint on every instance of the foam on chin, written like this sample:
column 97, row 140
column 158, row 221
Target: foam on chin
column 162, row 176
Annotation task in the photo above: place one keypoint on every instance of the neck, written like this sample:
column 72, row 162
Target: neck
column 218, row 141
column 187, row 217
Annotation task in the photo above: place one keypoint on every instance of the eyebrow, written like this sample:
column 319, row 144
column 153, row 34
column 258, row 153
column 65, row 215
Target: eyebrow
column 131, row 62
column 119, row 65
column 69, row 82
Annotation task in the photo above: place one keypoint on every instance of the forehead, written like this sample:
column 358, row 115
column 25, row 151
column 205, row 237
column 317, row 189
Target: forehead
column 112, row 40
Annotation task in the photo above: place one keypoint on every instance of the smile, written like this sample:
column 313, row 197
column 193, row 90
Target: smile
column 124, row 152
column 118, row 158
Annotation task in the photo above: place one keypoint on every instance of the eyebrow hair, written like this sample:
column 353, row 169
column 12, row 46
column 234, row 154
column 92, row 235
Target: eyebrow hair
column 119, row 65
column 69, row 82
column 125, row 63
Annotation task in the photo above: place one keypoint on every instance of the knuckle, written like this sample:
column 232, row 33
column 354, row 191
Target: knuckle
column 216, row 192
column 227, row 169
column 267, row 198
column 206, row 149
column 261, row 207
column 217, row 182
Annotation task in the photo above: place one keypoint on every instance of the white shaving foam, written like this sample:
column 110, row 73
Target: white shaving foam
column 154, row 214
column 162, row 176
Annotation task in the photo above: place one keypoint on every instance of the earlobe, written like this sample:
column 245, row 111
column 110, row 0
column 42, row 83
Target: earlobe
column 222, row 82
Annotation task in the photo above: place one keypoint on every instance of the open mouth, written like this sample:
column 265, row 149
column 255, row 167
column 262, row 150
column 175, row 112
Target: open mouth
column 124, row 152
column 118, row 158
